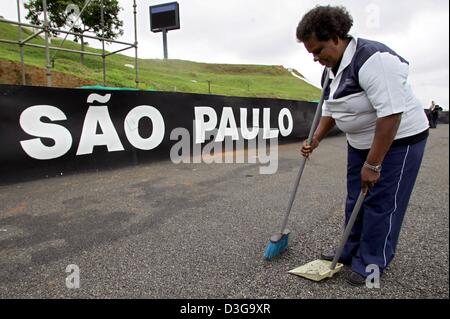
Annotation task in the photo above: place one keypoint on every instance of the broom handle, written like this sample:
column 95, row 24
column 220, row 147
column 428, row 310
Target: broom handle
column 314, row 124
column 348, row 229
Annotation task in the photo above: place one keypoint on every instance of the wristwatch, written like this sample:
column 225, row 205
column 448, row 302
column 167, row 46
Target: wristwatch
column 373, row 168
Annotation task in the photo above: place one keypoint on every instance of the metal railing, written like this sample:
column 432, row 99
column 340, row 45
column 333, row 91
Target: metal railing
column 46, row 29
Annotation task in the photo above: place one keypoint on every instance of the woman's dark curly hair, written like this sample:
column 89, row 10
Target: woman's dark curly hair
column 325, row 22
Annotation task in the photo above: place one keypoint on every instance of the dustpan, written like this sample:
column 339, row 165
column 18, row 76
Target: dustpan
column 316, row 270
column 319, row 269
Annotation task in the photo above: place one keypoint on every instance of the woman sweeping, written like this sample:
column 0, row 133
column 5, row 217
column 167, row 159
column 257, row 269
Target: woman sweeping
column 370, row 100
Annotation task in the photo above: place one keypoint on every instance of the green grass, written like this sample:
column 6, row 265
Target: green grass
column 164, row 75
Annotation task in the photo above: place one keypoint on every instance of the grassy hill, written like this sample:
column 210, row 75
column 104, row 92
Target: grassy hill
column 164, row 75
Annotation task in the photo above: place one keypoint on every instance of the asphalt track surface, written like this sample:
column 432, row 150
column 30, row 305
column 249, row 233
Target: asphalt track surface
column 199, row 230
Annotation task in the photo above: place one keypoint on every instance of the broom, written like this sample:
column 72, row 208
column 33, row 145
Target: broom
column 279, row 241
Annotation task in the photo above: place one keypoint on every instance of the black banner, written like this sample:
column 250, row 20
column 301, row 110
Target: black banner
column 48, row 132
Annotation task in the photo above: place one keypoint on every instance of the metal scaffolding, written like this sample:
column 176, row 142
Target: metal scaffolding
column 46, row 29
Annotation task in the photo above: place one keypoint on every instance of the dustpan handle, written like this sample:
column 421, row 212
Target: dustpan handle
column 348, row 229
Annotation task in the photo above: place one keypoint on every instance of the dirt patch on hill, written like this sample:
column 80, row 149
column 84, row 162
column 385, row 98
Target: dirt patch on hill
column 10, row 74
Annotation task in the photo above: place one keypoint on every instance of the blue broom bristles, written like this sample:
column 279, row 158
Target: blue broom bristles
column 275, row 248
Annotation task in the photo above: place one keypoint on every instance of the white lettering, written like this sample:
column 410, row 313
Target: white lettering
column 285, row 131
column 30, row 121
column 89, row 137
column 180, row 151
column 192, row 309
column 132, row 127
column 212, row 151
column 373, row 279
column 224, row 130
column 201, row 127
column 267, row 131
column 246, row 133
column 73, row 280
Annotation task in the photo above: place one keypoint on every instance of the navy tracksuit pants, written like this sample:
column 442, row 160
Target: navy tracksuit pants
column 374, row 236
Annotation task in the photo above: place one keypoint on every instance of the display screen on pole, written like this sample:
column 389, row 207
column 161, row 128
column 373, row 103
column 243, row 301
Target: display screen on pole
column 164, row 16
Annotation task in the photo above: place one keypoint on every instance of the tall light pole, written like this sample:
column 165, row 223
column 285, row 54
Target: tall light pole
column 164, row 32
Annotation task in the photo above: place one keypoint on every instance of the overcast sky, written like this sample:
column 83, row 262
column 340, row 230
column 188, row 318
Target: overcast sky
column 263, row 32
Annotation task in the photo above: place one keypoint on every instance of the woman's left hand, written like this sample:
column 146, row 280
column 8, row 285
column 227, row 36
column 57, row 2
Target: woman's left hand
column 368, row 179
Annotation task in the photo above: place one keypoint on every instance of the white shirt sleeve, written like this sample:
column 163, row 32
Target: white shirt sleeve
column 325, row 110
column 384, row 79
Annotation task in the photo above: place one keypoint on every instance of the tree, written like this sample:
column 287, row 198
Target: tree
column 62, row 13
